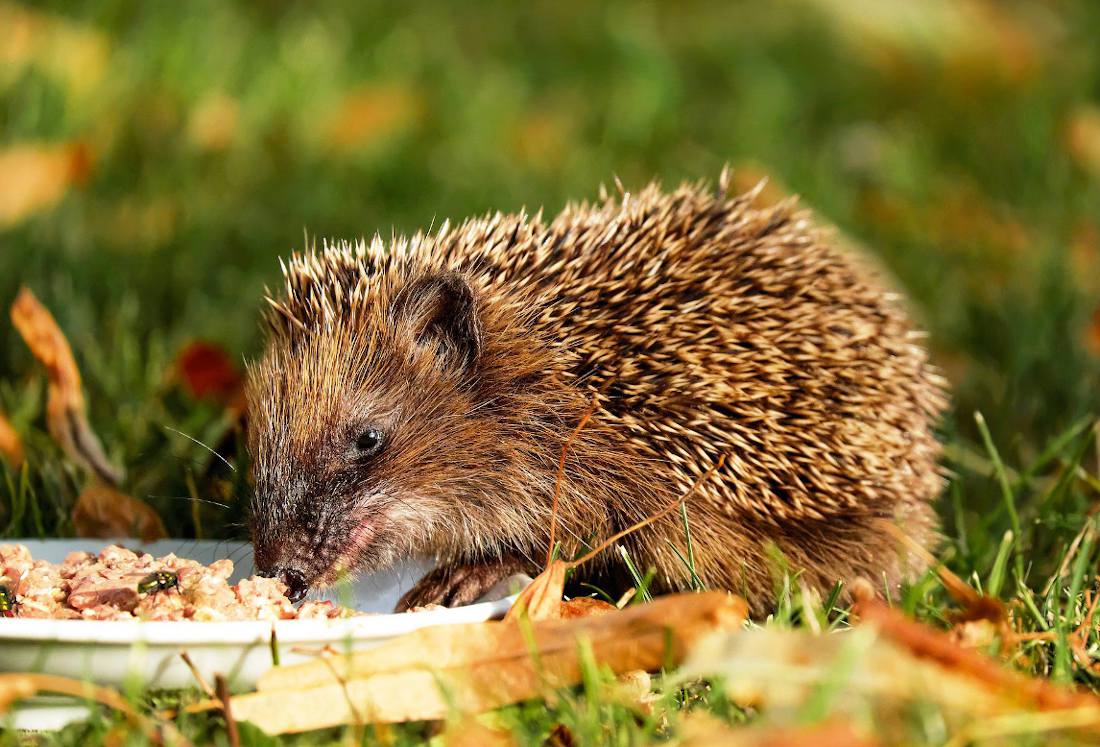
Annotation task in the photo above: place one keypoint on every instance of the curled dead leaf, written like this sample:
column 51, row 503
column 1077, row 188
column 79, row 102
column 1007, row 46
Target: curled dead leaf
column 66, row 415
column 11, row 446
column 102, row 511
column 541, row 599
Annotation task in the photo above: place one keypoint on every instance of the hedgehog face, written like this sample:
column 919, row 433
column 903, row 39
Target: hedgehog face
column 369, row 436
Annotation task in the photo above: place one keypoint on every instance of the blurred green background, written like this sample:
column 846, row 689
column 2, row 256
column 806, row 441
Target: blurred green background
column 156, row 159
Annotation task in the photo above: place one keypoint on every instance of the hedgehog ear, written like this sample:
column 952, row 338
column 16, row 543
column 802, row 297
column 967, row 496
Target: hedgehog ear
column 441, row 310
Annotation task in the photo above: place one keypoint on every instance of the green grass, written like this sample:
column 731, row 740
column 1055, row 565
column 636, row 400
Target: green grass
column 948, row 159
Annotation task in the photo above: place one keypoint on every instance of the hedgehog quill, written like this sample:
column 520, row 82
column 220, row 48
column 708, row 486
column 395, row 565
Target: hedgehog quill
column 414, row 397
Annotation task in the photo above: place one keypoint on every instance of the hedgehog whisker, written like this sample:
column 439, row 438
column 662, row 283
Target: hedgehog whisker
column 203, row 445
column 189, row 498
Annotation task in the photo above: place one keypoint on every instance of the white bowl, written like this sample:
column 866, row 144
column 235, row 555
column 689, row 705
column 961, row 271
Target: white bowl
column 149, row 653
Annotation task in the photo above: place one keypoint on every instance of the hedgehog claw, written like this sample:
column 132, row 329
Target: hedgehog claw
column 460, row 583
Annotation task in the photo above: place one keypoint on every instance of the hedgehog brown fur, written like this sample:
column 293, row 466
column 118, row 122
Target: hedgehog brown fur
column 711, row 326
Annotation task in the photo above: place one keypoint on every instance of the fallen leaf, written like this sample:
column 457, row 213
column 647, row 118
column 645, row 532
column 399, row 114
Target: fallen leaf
column 541, row 599
column 66, row 415
column 207, row 371
column 11, row 446
column 937, row 646
column 102, row 511
column 34, row 177
column 431, row 672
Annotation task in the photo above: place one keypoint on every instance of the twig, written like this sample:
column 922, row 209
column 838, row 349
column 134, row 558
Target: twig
column 230, row 722
column 203, row 684
column 650, row 519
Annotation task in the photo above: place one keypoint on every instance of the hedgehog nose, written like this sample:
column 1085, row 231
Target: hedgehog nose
column 296, row 584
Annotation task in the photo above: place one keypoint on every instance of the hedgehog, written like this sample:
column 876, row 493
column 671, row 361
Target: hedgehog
column 415, row 395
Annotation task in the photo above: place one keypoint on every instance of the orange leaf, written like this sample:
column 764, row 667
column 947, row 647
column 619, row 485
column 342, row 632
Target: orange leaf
column 66, row 415
column 34, row 177
column 11, row 446
column 207, row 372
column 541, row 600
column 101, row 511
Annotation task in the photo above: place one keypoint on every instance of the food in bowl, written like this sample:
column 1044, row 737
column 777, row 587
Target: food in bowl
column 120, row 584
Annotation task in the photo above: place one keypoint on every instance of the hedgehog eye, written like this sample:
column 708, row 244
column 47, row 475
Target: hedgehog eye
column 370, row 441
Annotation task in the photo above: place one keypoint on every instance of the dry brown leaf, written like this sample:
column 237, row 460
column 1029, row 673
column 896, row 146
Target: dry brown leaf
column 541, row 599
column 102, row 511
column 427, row 674
column 35, row 176
column 11, row 446
column 66, row 415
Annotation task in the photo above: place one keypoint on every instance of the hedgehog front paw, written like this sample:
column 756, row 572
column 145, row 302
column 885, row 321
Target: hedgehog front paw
column 461, row 583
